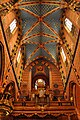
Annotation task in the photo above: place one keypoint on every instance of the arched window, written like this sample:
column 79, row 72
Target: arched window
column 63, row 55
column 18, row 57
column 13, row 25
column 39, row 83
column 68, row 24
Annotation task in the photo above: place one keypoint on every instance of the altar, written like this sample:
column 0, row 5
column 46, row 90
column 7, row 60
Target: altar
column 41, row 97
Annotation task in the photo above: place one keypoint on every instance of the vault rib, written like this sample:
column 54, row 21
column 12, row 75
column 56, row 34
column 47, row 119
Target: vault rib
column 55, row 9
column 40, row 34
column 50, row 54
column 26, row 10
column 46, row 24
column 27, row 41
column 26, row 4
column 34, row 35
column 31, row 28
column 28, row 60
column 49, row 35
column 61, row 3
column 51, row 41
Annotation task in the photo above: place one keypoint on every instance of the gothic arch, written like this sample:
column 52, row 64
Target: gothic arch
column 40, row 70
column 41, row 76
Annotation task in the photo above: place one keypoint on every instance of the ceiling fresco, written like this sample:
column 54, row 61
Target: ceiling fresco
column 41, row 28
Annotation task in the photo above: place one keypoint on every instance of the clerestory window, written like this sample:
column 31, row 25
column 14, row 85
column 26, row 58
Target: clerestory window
column 13, row 25
column 68, row 24
column 63, row 55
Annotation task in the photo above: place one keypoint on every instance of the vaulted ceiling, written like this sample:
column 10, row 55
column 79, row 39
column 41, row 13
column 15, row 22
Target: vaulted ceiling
column 41, row 28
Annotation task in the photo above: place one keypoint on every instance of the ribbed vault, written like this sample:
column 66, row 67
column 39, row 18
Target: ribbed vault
column 41, row 28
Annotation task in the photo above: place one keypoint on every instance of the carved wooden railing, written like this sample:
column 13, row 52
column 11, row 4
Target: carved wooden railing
column 55, row 108
column 31, row 107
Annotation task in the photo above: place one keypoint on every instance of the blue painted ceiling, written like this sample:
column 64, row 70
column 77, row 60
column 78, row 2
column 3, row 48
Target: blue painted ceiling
column 40, row 28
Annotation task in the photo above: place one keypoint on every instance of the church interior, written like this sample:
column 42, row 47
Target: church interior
column 40, row 59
